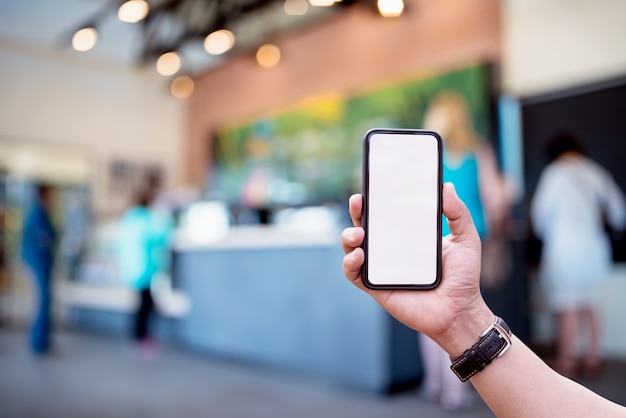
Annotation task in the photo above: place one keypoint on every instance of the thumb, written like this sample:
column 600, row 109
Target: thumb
column 459, row 219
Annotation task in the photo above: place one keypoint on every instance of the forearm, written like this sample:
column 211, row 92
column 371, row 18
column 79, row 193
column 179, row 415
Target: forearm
column 520, row 384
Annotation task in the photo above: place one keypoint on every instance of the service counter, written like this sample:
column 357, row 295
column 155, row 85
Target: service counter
column 279, row 298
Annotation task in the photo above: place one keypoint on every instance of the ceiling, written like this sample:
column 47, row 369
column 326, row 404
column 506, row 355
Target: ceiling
column 171, row 25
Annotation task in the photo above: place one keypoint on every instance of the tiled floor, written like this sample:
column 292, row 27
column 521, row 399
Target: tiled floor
column 96, row 376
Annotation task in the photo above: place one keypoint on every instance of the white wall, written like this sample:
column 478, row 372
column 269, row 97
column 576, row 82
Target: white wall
column 101, row 110
column 554, row 44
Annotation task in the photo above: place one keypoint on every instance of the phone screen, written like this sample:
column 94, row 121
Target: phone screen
column 402, row 212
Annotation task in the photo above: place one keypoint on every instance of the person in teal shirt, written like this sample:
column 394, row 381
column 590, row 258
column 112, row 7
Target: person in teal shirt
column 464, row 174
column 470, row 164
column 143, row 242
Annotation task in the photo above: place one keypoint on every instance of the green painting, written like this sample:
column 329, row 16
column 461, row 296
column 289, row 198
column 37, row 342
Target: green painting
column 309, row 153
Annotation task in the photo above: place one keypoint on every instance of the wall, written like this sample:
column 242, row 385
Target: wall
column 345, row 53
column 94, row 110
column 550, row 45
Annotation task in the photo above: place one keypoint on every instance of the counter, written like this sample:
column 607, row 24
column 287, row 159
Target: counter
column 279, row 298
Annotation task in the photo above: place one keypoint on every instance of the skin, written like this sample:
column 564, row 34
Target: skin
column 518, row 384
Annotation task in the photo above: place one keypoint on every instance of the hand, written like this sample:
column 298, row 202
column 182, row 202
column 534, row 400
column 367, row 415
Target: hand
column 454, row 313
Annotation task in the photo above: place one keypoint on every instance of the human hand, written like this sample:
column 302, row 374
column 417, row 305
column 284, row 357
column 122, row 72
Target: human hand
column 454, row 313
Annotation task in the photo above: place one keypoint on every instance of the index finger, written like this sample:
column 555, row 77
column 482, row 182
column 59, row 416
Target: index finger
column 355, row 205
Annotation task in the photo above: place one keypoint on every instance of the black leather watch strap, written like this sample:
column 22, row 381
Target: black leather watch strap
column 493, row 342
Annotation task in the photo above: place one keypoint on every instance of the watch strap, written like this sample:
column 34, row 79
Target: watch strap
column 493, row 342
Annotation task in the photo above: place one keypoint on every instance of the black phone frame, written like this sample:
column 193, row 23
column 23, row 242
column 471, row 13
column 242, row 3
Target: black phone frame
column 365, row 191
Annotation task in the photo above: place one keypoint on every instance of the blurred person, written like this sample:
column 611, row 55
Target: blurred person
column 511, row 379
column 38, row 247
column 567, row 211
column 4, row 277
column 73, row 241
column 470, row 164
column 143, row 252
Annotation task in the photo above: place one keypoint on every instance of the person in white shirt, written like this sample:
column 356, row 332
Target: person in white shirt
column 573, row 199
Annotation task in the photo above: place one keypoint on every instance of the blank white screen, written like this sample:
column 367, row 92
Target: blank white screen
column 403, row 209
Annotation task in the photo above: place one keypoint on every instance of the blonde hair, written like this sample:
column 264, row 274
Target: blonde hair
column 449, row 115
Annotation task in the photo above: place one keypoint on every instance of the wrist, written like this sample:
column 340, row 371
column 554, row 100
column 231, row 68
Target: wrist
column 493, row 342
column 465, row 331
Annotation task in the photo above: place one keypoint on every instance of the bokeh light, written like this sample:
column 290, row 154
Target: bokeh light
column 85, row 39
column 133, row 11
column 268, row 56
column 168, row 64
column 219, row 42
column 182, row 87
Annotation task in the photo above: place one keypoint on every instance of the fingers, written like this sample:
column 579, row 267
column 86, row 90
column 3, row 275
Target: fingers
column 351, row 238
column 355, row 205
column 459, row 219
column 352, row 263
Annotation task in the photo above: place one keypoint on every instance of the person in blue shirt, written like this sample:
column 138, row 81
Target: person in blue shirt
column 38, row 243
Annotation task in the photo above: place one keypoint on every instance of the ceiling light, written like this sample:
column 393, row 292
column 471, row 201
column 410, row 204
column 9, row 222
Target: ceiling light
column 390, row 8
column 168, row 64
column 296, row 7
column 268, row 55
column 218, row 42
column 133, row 11
column 321, row 3
column 182, row 87
column 85, row 39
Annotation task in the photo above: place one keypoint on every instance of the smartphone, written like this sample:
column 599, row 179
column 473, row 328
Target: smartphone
column 402, row 180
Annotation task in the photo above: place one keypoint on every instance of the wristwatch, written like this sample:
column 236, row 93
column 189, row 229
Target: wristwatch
column 493, row 342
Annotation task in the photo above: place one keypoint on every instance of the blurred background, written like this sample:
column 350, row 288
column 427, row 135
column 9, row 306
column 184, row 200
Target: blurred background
column 250, row 115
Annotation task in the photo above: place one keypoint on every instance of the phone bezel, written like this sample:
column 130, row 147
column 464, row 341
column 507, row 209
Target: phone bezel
column 365, row 217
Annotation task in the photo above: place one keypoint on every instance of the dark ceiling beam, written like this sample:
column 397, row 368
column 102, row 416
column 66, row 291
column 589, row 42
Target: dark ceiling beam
column 218, row 14
column 195, row 19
